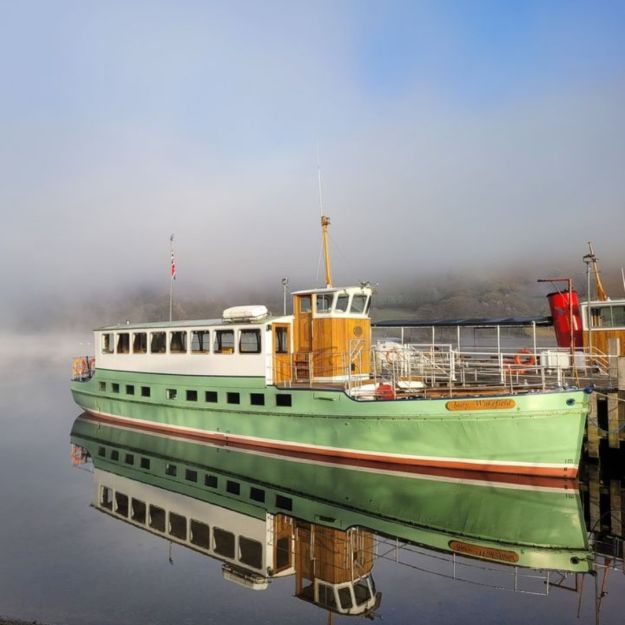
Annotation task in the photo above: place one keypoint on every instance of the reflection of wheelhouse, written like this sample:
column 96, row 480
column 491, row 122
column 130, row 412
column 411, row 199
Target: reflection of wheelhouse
column 333, row 568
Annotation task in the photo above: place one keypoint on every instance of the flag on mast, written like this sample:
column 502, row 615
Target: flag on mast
column 173, row 261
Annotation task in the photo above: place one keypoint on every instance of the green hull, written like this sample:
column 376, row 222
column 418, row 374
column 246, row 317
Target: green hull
column 542, row 527
column 541, row 434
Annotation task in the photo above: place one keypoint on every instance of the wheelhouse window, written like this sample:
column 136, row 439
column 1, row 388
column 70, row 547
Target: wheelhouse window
column 324, row 303
column 140, row 343
column 359, row 304
column 224, row 342
column 178, row 342
column 249, row 342
column 123, row 343
column 250, row 552
column 342, row 303
column 608, row 316
column 200, row 534
column 305, row 303
column 158, row 343
column 107, row 343
column 200, row 342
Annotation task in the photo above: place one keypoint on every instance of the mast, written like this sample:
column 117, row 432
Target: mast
column 325, row 222
column 602, row 296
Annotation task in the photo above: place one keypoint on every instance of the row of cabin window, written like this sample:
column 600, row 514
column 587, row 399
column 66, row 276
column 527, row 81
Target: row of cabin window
column 220, row 541
column 191, row 475
column 256, row 399
column 177, row 342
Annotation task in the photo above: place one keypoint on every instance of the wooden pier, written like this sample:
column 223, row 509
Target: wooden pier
column 606, row 417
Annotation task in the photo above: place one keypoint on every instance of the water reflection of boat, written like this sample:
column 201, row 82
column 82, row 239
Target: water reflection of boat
column 267, row 517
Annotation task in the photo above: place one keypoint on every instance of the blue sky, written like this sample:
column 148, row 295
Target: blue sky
column 454, row 123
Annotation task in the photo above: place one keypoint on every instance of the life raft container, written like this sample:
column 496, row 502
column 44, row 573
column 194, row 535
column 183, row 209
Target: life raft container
column 385, row 391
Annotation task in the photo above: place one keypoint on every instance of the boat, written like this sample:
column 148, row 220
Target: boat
column 266, row 517
column 314, row 383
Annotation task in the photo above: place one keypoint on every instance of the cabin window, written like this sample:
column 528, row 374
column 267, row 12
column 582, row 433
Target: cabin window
column 200, row 342
column 345, row 598
column 257, row 494
column 129, row 459
column 158, row 343
column 130, row 389
column 324, row 303
column 282, row 342
column 177, row 526
column 286, row 503
column 140, row 343
column 138, row 511
column 107, row 343
column 103, row 386
column 210, row 481
column 342, row 303
column 191, row 395
column 200, row 534
column 145, row 391
column 171, row 393
column 115, row 387
column 223, row 542
column 121, row 504
column 102, row 452
column 250, row 552
column 145, row 463
column 211, row 396
column 233, row 398
column 114, row 455
column 178, row 342
column 224, row 342
column 305, row 303
column 123, row 343
column 359, row 304
column 157, row 518
column 190, row 475
column 257, row 399
column 283, row 399
column 608, row 316
column 234, row 488
column 106, row 498
column 171, row 469
column 249, row 342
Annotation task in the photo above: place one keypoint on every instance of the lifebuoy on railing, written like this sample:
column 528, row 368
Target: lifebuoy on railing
column 524, row 358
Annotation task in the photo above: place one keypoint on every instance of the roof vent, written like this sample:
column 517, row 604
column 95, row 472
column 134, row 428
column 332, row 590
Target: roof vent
column 245, row 313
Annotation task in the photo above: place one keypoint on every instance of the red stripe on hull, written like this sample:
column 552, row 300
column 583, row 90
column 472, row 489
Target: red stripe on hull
column 494, row 472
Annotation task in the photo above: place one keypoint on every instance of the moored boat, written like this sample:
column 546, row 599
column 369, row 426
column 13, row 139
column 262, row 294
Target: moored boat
column 313, row 383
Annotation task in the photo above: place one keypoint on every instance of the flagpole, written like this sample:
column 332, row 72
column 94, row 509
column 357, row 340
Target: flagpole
column 172, row 277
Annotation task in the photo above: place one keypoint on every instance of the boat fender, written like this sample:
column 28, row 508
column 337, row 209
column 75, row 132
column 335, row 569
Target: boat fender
column 385, row 391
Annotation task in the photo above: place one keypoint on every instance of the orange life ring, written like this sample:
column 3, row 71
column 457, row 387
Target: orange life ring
column 524, row 358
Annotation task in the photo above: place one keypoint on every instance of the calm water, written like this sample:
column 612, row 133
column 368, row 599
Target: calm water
column 64, row 561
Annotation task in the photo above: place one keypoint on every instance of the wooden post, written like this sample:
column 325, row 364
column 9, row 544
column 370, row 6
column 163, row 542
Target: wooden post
column 620, row 385
column 616, row 508
column 594, row 497
column 592, row 428
column 614, row 433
